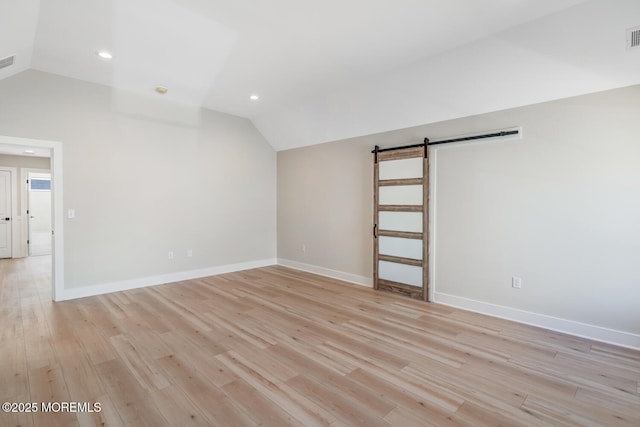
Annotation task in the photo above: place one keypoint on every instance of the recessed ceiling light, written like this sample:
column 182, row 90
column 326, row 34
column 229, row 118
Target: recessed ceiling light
column 254, row 97
column 105, row 55
column 161, row 90
column 29, row 152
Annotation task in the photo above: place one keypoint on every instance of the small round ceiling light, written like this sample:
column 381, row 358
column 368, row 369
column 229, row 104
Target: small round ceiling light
column 161, row 90
column 29, row 152
column 254, row 97
column 105, row 55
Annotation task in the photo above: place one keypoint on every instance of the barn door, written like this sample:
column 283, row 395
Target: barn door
column 401, row 196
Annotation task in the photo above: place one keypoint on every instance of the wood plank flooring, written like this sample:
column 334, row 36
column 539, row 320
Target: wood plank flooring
column 277, row 347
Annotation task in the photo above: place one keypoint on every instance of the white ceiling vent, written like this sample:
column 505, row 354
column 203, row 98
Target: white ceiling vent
column 633, row 38
column 5, row 62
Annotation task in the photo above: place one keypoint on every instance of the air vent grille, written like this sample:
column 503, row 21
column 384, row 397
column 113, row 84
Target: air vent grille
column 633, row 38
column 5, row 62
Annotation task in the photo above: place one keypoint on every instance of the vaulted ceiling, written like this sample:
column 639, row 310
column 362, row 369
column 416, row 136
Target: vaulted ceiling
column 331, row 69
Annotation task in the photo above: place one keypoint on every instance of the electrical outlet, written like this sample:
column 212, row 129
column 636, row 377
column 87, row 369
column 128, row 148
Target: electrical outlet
column 170, row 255
column 303, row 248
column 189, row 253
column 516, row 282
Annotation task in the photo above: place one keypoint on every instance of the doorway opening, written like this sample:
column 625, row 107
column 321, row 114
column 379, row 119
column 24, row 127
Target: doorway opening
column 12, row 146
column 38, row 212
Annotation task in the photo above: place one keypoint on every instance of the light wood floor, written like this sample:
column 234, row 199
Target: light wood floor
column 277, row 347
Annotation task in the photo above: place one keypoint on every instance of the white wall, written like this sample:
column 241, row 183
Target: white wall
column 558, row 208
column 146, row 176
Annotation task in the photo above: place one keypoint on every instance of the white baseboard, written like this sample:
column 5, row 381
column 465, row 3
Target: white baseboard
column 327, row 272
column 597, row 333
column 142, row 282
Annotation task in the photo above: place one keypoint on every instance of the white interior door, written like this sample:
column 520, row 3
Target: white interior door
column 39, row 213
column 5, row 214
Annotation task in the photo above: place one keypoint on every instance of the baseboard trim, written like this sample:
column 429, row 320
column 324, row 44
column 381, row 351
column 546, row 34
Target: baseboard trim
column 124, row 285
column 597, row 333
column 327, row 272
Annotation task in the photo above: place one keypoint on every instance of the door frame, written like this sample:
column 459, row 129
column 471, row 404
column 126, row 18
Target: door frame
column 14, row 212
column 399, row 153
column 57, row 249
column 24, row 195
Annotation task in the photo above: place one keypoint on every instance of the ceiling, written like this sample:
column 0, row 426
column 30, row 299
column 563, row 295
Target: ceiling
column 331, row 69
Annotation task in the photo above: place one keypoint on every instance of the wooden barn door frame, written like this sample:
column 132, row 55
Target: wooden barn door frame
column 380, row 155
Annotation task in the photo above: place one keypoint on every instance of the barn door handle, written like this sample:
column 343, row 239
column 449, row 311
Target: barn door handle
column 375, row 231
column 7, row 219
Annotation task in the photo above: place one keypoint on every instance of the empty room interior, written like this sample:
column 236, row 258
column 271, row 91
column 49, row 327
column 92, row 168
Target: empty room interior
column 337, row 213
